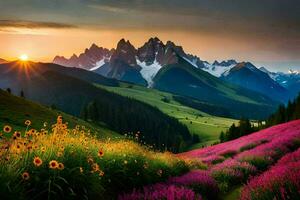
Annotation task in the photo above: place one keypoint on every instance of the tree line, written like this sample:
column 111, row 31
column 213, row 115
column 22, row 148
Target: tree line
column 284, row 113
column 125, row 115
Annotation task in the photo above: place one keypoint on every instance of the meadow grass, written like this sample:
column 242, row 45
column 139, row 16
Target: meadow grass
column 208, row 127
column 61, row 163
column 15, row 110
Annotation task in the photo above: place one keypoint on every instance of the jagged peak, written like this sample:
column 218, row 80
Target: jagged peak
column 124, row 44
column 74, row 56
column 216, row 62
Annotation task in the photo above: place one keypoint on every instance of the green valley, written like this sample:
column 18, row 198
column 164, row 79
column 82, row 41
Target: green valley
column 208, row 127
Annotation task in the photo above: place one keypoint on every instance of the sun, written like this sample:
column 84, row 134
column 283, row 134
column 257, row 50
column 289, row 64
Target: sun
column 23, row 57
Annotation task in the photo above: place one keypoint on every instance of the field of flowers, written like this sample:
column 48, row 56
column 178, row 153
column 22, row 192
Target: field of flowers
column 61, row 163
column 282, row 181
column 232, row 164
column 57, row 162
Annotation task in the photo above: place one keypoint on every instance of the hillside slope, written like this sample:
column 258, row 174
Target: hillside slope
column 207, row 126
column 246, row 75
column 259, row 140
column 186, row 80
column 15, row 110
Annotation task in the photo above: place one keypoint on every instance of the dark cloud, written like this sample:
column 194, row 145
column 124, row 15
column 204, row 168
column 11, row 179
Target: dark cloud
column 268, row 25
column 33, row 24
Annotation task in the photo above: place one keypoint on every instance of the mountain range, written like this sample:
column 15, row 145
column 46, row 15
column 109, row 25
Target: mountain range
column 142, row 65
column 290, row 80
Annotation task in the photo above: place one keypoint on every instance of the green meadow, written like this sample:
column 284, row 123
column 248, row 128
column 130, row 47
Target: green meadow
column 208, row 127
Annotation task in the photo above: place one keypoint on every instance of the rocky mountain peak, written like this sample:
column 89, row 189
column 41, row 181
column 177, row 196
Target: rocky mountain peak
column 125, row 53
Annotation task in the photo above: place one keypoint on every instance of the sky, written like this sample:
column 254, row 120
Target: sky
column 265, row 32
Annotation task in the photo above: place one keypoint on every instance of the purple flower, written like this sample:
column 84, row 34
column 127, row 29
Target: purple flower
column 282, row 181
column 161, row 191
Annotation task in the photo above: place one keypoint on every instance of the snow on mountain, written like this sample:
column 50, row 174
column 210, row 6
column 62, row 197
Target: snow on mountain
column 192, row 62
column 293, row 72
column 284, row 79
column 148, row 72
column 98, row 64
column 217, row 70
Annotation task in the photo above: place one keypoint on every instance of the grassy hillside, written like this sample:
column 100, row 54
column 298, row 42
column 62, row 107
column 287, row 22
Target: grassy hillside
column 15, row 110
column 66, row 163
column 206, row 126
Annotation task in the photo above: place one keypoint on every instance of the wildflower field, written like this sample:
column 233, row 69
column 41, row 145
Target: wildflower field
column 61, row 162
column 265, row 164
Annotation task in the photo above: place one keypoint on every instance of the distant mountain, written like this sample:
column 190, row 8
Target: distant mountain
column 128, row 63
column 290, row 80
column 246, row 75
column 148, row 65
column 139, row 65
column 2, row 61
column 13, row 73
column 92, row 58
column 184, row 79
column 73, row 91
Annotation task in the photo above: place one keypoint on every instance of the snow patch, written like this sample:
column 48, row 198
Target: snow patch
column 191, row 62
column 148, row 72
column 98, row 64
column 217, row 70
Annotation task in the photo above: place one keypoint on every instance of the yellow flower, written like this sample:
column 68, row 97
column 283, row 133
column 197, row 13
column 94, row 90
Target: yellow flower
column 125, row 162
column 81, row 169
column 25, row 176
column 53, row 164
column 27, row 122
column 43, row 149
column 7, row 129
column 61, row 166
column 59, row 154
column 37, row 161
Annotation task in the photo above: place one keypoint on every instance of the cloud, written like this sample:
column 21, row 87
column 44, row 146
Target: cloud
column 33, row 24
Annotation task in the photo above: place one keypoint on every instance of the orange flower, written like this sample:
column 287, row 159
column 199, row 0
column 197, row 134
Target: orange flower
column 37, row 161
column 17, row 134
column 53, row 164
column 96, row 167
column 90, row 160
column 100, row 153
column 59, row 119
column 25, row 176
column 7, row 129
column 27, row 122
column 61, row 166
column 101, row 173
